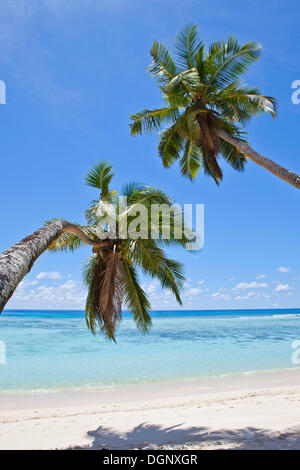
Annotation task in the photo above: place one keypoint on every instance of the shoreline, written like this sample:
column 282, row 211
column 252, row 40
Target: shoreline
column 146, row 390
column 249, row 411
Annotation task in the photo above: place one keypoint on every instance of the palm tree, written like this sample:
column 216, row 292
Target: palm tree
column 111, row 272
column 207, row 106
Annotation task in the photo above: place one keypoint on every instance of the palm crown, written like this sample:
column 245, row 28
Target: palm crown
column 111, row 273
column 204, row 97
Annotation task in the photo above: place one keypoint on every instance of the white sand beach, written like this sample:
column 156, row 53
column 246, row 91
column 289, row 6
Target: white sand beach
column 255, row 411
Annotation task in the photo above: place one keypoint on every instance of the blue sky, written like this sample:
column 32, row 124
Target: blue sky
column 74, row 72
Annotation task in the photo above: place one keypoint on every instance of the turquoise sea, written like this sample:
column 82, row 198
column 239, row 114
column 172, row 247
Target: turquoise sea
column 51, row 350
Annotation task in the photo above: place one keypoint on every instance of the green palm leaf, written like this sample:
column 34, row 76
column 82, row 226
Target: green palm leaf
column 148, row 120
column 231, row 60
column 187, row 44
column 135, row 298
column 170, row 274
column 163, row 66
column 170, row 145
column 190, row 162
column 99, row 177
column 66, row 242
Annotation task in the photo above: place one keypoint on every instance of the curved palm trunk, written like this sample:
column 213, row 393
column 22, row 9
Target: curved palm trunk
column 277, row 170
column 17, row 261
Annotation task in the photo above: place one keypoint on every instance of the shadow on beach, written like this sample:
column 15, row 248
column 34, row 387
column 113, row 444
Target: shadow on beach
column 147, row 436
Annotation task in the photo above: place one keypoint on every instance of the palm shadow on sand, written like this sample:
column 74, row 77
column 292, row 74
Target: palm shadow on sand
column 150, row 436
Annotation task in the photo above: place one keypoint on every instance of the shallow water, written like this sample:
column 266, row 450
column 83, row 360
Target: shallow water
column 54, row 350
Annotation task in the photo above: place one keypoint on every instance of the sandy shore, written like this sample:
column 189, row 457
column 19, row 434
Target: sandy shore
column 256, row 411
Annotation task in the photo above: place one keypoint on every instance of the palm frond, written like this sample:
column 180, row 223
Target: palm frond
column 176, row 95
column 146, row 254
column 163, row 66
column 239, row 103
column 209, row 145
column 135, row 298
column 236, row 159
column 110, row 302
column 105, row 293
column 92, row 276
column 190, row 161
column 231, row 60
column 184, row 84
column 66, row 242
column 170, row 275
column 153, row 261
column 212, row 168
column 69, row 241
column 147, row 196
column 148, row 120
column 132, row 189
column 170, row 145
column 157, row 202
column 99, row 177
column 200, row 63
column 187, row 43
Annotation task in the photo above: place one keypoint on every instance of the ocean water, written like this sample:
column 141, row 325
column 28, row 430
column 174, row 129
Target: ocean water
column 52, row 350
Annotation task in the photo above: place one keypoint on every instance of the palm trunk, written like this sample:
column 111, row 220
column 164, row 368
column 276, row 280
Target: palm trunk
column 17, row 261
column 277, row 170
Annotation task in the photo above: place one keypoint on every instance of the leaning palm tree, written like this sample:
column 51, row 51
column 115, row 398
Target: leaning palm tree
column 207, row 106
column 111, row 272
column 123, row 242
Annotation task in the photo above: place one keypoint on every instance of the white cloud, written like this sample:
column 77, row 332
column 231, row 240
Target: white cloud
column 282, row 287
column 250, row 285
column 151, row 287
column 52, row 289
column 283, row 269
column 247, row 296
column 193, row 291
column 29, row 294
column 252, row 295
column 49, row 275
column 221, row 294
column 69, row 285
column 187, row 282
column 26, row 283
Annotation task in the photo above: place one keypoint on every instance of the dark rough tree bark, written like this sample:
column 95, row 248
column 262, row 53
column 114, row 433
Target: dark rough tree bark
column 277, row 170
column 17, row 261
